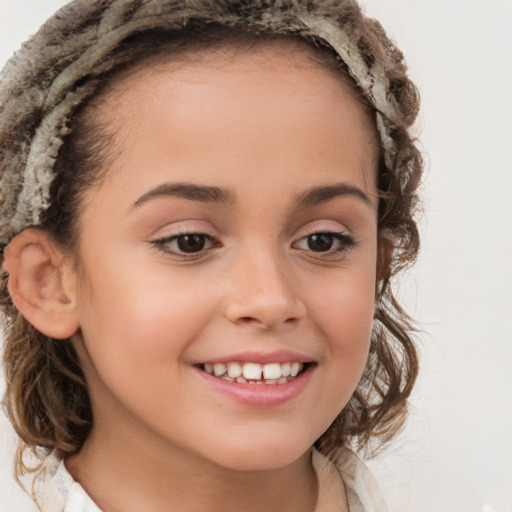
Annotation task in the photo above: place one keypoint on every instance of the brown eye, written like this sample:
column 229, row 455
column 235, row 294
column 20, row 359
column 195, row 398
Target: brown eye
column 187, row 246
column 191, row 243
column 320, row 242
column 325, row 244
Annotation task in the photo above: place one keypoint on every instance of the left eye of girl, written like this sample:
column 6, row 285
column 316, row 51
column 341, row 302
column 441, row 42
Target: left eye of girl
column 327, row 242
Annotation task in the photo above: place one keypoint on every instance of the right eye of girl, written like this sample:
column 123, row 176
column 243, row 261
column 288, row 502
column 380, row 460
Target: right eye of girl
column 185, row 245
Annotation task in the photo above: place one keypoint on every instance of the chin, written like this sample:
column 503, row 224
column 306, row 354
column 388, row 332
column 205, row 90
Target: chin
column 267, row 455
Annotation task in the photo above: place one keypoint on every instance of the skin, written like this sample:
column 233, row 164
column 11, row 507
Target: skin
column 267, row 127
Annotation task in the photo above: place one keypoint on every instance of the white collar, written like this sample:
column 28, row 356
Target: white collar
column 346, row 477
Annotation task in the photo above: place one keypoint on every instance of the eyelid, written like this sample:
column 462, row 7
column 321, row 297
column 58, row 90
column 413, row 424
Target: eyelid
column 183, row 227
column 323, row 226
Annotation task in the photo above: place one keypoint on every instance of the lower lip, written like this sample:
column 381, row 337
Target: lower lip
column 259, row 395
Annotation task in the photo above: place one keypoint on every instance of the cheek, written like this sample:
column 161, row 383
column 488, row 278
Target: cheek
column 144, row 315
column 349, row 336
column 143, row 327
column 344, row 311
column 139, row 327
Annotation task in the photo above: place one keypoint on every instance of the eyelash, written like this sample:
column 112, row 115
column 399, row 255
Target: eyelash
column 163, row 244
column 345, row 243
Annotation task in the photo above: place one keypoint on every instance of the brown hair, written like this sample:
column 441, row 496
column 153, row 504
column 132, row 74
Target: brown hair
column 47, row 399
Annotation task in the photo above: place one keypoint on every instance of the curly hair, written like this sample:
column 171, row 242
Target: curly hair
column 51, row 151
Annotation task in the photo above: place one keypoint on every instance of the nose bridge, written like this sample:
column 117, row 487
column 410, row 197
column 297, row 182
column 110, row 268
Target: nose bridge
column 262, row 290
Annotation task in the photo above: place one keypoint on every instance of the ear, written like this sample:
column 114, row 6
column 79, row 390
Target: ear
column 42, row 283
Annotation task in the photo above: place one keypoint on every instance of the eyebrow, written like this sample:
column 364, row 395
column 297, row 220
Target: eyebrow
column 210, row 194
column 323, row 194
column 203, row 193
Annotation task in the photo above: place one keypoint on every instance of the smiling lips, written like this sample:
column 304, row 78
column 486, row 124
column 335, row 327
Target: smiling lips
column 255, row 373
column 282, row 377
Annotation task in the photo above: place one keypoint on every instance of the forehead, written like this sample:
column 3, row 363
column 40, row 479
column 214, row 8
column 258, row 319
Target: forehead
column 240, row 105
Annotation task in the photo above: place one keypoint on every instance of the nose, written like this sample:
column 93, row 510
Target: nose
column 262, row 292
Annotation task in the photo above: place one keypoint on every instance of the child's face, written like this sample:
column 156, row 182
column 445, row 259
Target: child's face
column 200, row 248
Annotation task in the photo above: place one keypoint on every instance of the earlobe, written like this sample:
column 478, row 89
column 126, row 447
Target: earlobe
column 41, row 283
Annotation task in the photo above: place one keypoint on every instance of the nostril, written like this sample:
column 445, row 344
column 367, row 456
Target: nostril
column 267, row 322
column 247, row 319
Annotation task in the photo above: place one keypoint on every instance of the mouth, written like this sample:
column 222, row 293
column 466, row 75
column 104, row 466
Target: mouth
column 259, row 380
column 256, row 373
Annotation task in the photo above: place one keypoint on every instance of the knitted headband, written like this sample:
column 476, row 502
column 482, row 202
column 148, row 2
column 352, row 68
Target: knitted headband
column 56, row 70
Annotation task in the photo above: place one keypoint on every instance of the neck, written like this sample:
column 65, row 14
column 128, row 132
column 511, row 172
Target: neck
column 123, row 475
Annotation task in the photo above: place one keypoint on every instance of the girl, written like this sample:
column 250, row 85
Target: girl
column 202, row 207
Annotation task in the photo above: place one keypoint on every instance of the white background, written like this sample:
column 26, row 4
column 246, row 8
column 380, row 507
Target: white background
column 456, row 452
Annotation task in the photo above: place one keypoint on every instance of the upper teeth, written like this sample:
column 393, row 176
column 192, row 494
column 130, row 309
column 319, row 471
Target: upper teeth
column 254, row 371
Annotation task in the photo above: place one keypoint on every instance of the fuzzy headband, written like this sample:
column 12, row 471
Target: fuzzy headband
column 61, row 66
